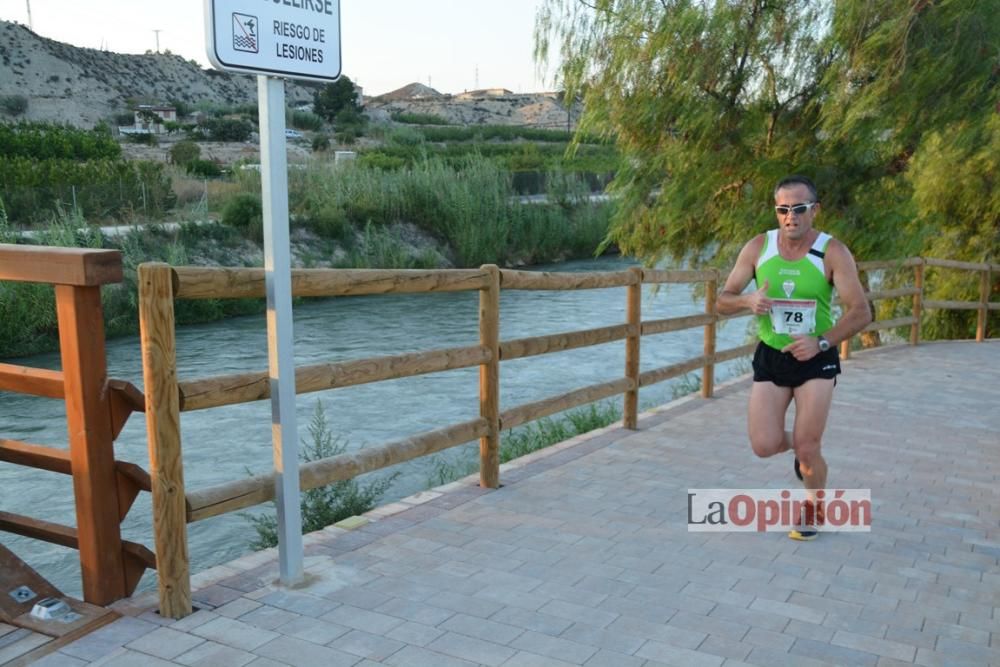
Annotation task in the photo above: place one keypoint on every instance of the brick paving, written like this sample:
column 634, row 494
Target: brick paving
column 584, row 558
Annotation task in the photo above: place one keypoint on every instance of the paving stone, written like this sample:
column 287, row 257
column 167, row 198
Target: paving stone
column 414, row 656
column 414, row 611
column 165, row 643
column 126, row 658
column 213, row 654
column 471, row 649
column 362, row 619
column 300, row 653
column 666, row 653
column 312, row 629
column 111, row 637
column 59, row 659
column 554, row 647
column 793, row 611
column 832, row 653
column 24, row 642
column 414, row 633
column 579, row 613
column 267, row 617
column 534, row 621
column 297, row 603
column 366, row 645
column 603, row 639
column 725, row 647
column 885, row 647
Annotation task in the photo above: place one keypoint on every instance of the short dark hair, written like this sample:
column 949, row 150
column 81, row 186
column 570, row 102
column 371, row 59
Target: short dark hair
column 797, row 179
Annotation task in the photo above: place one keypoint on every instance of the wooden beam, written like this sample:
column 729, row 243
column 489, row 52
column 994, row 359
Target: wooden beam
column 708, row 347
column 890, row 264
column 527, row 347
column 82, row 267
column 244, row 387
column 489, row 380
column 91, row 444
column 678, row 275
column 545, row 280
column 671, row 371
column 954, row 264
column 166, row 468
column 952, row 305
column 633, row 330
column 125, row 399
column 243, row 493
column 651, row 327
column 31, row 381
column 231, row 283
column 890, row 324
column 36, row 456
column 734, row 353
column 523, row 414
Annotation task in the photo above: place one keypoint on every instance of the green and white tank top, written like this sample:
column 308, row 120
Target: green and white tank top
column 799, row 290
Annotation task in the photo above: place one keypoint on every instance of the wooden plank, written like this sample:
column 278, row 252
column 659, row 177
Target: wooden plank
column 633, row 330
column 31, row 381
column 984, row 305
column 890, row 324
column 954, row 264
column 231, row 283
column 36, row 456
column 671, row 371
column 523, row 414
column 546, row 280
column 708, row 370
column 91, row 443
column 890, row 264
column 82, row 267
column 243, row 493
column 244, row 387
column 678, row 275
column 534, row 345
column 14, row 572
column 489, row 380
column 951, row 305
column 651, row 327
column 734, row 353
column 166, row 469
column 917, row 304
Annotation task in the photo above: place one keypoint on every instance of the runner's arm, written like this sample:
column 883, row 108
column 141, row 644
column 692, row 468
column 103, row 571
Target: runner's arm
column 857, row 313
column 732, row 300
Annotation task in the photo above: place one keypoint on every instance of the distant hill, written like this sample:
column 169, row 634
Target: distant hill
column 68, row 84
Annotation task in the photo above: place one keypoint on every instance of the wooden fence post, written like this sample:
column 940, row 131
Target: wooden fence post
column 91, row 442
column 166, row 471
column 918, row 283
column 489, row 379
column 633, row 317
column 708, row 371
column 984, row 304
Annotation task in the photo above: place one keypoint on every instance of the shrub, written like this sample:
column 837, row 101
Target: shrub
column 184, row 152
column 303, row 120
column 144, row 138
column 245, row 212
column 14, row 105
column 325, row 505
column 204, row 168
column 418, row 118
column 228, row 129
column 321, row 142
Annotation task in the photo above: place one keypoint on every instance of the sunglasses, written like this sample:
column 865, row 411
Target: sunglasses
column 797, row 209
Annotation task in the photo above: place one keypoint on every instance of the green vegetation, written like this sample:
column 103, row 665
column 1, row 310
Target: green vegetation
column 13, row 105
column 325, row 505
column 43, row 141
column 890, row 107
column 418, row 118
column 334, row 98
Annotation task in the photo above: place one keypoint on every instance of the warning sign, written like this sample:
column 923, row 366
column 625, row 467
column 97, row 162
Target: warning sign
column 298, row 39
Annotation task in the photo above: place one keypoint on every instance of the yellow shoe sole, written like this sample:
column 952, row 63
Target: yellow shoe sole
column 807, row 536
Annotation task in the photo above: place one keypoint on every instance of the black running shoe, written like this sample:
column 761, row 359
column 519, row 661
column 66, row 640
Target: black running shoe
column 798, row 473
column 811, row 518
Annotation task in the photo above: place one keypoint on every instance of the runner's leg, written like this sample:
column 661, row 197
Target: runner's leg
column 766, row 418
column 812, row 407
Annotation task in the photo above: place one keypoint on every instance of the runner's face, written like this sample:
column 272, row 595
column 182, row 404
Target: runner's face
column 794, row 227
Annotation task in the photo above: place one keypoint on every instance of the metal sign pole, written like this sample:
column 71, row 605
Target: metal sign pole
column 281, row 361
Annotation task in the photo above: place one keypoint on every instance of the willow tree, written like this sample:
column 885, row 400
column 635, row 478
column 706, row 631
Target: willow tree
column 885, row 104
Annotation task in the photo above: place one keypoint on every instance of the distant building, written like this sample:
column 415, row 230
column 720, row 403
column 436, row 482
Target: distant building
column 150, row 119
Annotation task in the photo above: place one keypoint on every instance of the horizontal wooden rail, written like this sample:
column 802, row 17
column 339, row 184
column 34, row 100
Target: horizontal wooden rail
column 231, row 496
column 952, row 305
column 66, row 536
column 666, row 372
column 954, row 264
column 31, row 381
column 892, row 293
column 528, row 347
column 35, row 456
column 80, row 267
column 734, row 353
column 231, row 283
column 245, row 387
column 523, row 414
column 659, row 276
column 890, row 264
column 544, row 280
column 890, row 324
column 651, row 327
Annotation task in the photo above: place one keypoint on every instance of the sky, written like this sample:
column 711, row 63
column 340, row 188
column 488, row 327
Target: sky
column 452, row 45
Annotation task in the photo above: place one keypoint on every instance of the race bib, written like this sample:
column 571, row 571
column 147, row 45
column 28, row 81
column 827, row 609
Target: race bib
column 793, row 316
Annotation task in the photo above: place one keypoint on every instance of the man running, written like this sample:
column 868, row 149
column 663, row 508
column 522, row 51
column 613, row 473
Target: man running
column 796, row 269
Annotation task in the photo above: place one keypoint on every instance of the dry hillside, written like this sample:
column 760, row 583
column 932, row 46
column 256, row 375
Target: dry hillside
column 68, row 84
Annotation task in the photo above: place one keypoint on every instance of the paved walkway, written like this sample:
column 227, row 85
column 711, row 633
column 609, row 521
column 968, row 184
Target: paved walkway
column 584, row 558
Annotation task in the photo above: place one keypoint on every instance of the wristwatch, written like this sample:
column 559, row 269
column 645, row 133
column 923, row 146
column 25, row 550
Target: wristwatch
column 824, row 344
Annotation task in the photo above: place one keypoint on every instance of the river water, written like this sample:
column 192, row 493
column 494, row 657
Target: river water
column 227, row 443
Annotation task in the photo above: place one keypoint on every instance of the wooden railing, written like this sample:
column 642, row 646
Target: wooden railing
column 96, row 410
column 167, row 396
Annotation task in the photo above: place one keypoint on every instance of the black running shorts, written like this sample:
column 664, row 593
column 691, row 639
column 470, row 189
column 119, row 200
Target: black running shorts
column 784, row 370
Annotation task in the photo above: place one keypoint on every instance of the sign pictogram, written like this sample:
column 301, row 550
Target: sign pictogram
column 245, row 33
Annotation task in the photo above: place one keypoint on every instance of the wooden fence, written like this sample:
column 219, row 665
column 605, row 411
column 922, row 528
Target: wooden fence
column 97, row 407
column 167, row 396
column 96, row 410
